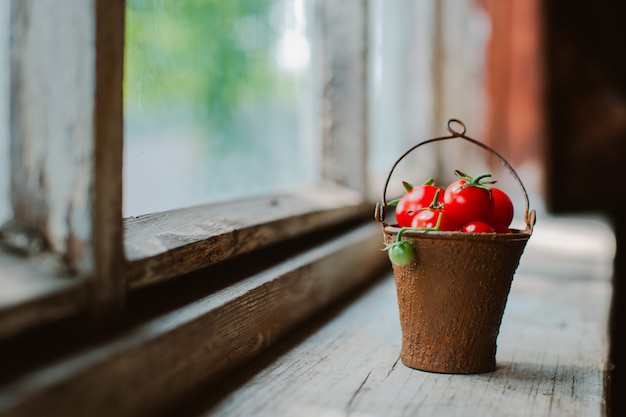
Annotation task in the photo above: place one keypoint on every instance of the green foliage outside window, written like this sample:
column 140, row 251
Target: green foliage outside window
column 208, row 55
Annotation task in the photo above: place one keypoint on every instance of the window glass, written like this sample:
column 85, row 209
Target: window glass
column 401, row 88
column 220, row 101
column 5, row 165
column 426, row 62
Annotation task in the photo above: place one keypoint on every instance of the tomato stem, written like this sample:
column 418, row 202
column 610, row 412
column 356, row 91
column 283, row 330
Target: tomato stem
column 475, row 181
column 399, row 237
column 439, row 220
column 435, row 203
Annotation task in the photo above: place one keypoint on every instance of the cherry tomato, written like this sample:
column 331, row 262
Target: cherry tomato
column 477, row 227
column 414, row 200
column 436, row 219
column 400, row 253
column 468, row 199
column 502, row 208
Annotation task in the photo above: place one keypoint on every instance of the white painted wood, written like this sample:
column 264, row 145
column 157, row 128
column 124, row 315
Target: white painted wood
column 53, row 86
column 552, row 349
column 66, row 139
column 345, row 92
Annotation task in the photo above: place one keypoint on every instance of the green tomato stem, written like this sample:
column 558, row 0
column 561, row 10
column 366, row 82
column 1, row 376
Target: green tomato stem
column 476, row 181
column 439, row 220
column 435, row 203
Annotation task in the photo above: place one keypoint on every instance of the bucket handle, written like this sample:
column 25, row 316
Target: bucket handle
column 529, row 215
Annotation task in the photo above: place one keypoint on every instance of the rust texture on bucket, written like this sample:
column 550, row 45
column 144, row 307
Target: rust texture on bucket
column 452, row 296
column 453, row 293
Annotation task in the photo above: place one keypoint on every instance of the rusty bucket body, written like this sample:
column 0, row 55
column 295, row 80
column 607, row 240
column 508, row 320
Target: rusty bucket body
column 452, row 296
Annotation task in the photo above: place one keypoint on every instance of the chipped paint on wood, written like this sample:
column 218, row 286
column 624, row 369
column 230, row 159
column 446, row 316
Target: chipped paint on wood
column 52, row 89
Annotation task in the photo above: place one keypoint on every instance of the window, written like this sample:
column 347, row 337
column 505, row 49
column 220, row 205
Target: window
column 66, row 130
column 212, row 261
column 221, row 101
column 66, row 127
column 277, row 130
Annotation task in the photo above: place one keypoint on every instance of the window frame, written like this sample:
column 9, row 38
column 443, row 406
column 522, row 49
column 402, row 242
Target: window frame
column 94, row 267
column 228, row 313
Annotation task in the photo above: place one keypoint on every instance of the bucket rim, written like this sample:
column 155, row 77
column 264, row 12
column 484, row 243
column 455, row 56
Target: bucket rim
column 514, row 235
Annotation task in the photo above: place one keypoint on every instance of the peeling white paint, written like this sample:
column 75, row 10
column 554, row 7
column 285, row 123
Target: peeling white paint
column 54, row 119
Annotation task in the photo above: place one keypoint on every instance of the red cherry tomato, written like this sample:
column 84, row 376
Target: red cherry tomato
column 468, row 199
column 414, row 200
column 502, row 208
column 477, row 227
column 428, row 218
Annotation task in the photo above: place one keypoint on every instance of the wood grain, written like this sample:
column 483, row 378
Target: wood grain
column 164, row 245
column 552, row 355
column 108, row 295
column 34, row 294
column 158, row 362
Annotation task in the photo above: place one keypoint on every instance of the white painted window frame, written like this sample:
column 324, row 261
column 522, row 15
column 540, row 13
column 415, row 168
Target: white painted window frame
column 67, row 250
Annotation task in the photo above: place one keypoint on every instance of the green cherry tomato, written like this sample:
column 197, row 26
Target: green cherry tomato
column 401, row 253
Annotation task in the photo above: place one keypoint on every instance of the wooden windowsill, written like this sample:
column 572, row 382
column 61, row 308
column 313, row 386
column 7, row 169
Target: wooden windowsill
column 246, row 349
column 161, row 246
column 36, row 292
column 187, row 332
column 552, row 356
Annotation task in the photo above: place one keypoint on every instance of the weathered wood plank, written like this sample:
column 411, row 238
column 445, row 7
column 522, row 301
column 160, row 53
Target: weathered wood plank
column 163, row 245
column 52, row 89
column 67, row 124
column 158, row 362
column 345, row 90
column 109, row 282
column 33, row 294
column 552, row 350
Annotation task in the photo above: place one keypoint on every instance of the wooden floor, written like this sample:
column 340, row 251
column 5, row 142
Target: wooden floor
column 552, row 357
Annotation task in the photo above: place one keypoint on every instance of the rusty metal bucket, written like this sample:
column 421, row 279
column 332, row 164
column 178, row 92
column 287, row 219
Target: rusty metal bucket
column 452, row 295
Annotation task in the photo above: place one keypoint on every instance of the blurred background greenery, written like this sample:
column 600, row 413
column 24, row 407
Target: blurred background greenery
column 210, row 54
column 217, row 98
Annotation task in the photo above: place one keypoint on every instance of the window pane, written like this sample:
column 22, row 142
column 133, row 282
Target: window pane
column 5, row 166
column 220, row 101
column 401, row 88
column 426, row 62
